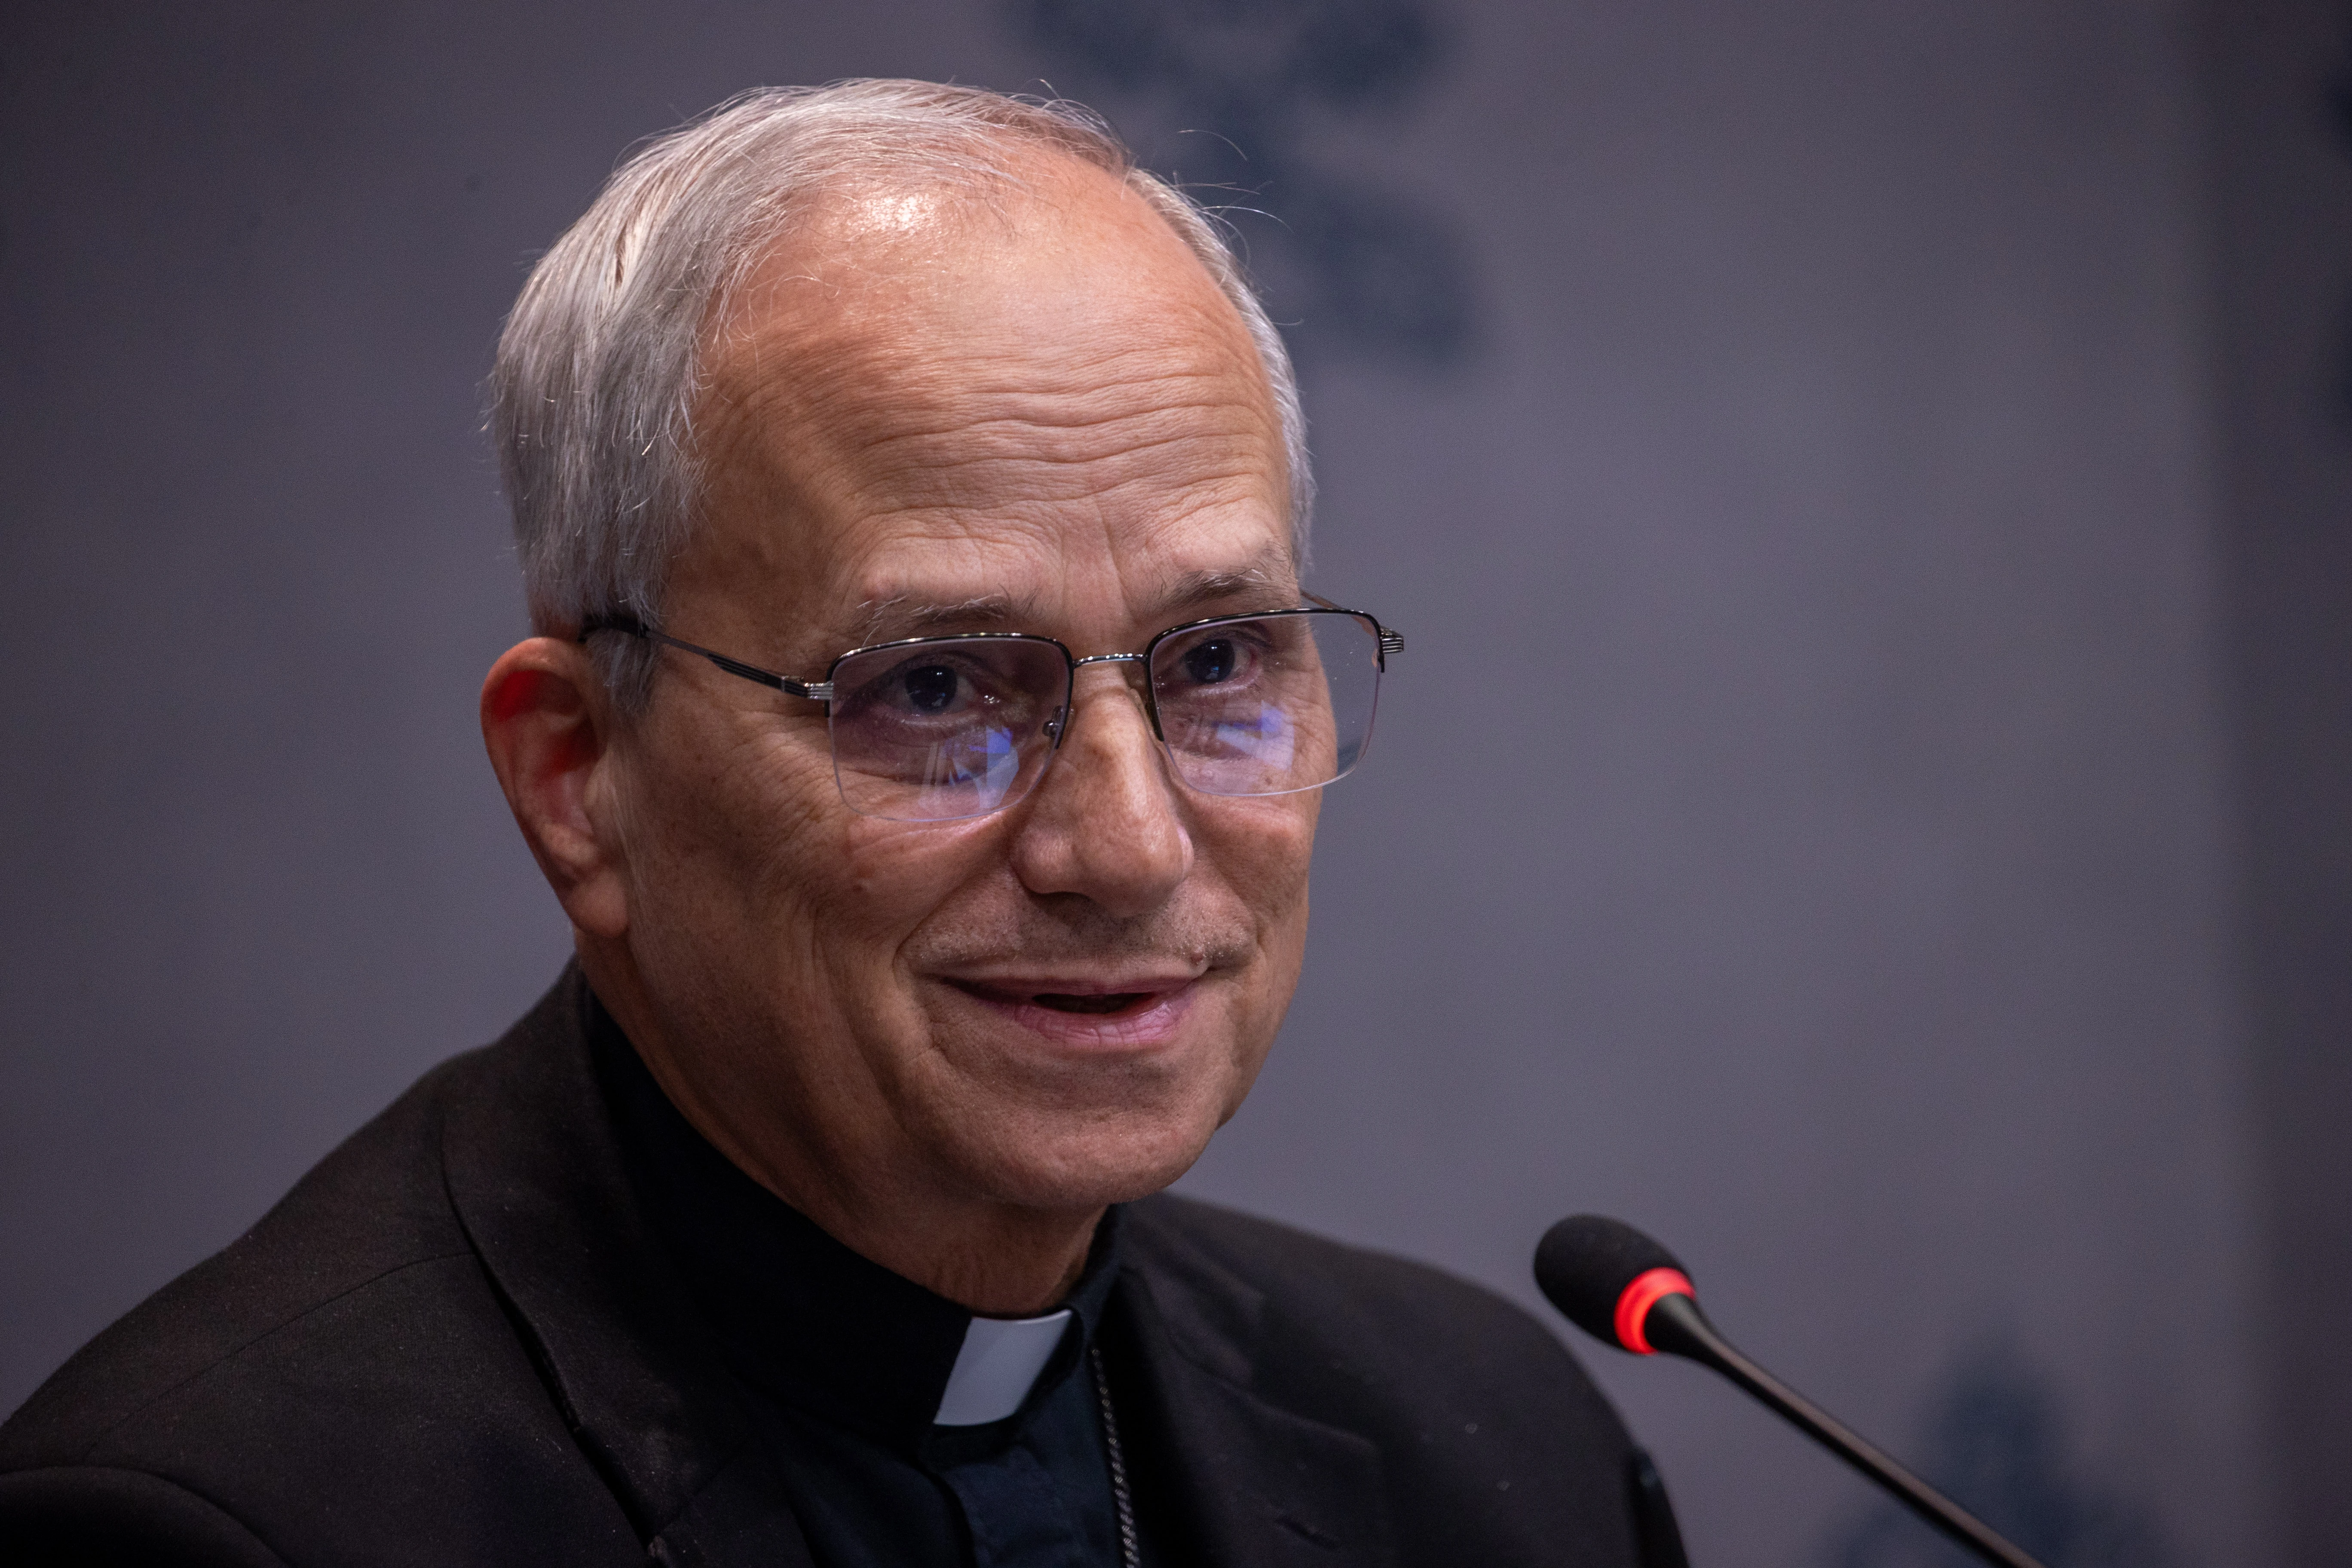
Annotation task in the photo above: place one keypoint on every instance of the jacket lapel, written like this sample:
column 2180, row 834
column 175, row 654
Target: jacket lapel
column 1256, row 1485
column 535, row 1177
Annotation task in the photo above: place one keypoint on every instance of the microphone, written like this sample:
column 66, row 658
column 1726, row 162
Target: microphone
column 1618, row 1284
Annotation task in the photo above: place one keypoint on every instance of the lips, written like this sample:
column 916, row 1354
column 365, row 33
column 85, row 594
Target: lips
column 1127, row 1012
column 1067, row 996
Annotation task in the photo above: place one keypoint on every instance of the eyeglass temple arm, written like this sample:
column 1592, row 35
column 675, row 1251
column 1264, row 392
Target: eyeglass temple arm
column 817, row 692
column 1392, row 639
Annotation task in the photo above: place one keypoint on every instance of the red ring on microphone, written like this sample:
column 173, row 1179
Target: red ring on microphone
column 1633, row 1306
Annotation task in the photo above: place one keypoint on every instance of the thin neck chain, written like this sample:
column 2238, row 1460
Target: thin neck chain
column 1130, row 1552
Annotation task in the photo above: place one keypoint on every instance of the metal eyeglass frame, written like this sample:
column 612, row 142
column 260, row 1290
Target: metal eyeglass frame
column 1387, row 641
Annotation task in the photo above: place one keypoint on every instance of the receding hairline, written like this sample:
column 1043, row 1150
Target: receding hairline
column 823, row 236
column 827, row 356
column 820, row 244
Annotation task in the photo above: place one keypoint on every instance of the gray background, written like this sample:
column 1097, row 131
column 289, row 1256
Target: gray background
column 1866, row 796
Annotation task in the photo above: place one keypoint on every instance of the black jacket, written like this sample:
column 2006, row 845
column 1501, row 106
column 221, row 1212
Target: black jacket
column 457, row 1343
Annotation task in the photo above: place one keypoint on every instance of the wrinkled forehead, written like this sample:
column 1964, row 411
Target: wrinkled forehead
column 925, row 397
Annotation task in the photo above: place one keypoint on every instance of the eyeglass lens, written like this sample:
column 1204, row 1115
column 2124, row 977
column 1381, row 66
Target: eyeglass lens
column 957, row 727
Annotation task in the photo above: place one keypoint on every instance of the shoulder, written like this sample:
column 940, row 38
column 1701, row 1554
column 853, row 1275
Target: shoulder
column 1489, row 1430
column 346, row 1371
column 337, row 1244
column 1419, row 1360
column 92, row 1515
column 1355, row 1302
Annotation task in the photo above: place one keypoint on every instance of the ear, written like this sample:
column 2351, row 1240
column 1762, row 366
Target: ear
column 549, row 728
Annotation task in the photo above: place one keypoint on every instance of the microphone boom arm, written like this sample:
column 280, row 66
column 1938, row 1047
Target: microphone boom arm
column 1675, row 1324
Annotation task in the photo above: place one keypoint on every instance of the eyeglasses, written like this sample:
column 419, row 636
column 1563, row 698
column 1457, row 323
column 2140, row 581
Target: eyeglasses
column 940, row 729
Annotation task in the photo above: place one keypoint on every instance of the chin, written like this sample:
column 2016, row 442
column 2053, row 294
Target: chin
column 1089, row 1167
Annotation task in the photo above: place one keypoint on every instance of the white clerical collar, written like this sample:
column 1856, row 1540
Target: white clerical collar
column 997, row 1367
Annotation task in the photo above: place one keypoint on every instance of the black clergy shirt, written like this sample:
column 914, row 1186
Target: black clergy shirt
column 844, row 1364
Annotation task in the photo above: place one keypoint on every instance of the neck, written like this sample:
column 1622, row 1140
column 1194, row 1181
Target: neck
column 997, row 1265
column 993, row 1258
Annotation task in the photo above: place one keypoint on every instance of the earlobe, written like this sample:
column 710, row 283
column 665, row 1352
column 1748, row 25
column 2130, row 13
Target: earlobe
column 547, row 729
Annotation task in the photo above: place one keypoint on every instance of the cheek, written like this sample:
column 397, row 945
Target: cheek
column 739, row 844
column 725, row 829
column 1263, row 849
column 891, row 878
column 1267, row 845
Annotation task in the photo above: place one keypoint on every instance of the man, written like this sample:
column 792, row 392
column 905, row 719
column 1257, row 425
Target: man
column 924, row 736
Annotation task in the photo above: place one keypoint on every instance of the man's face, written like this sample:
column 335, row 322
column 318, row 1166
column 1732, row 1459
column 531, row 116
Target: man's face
column 926, row 419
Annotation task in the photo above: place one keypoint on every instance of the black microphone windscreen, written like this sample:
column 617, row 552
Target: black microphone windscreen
column 1584, row 1263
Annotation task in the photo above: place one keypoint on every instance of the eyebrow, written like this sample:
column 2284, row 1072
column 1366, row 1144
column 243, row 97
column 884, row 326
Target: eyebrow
column 902, row 616
column 892, row 617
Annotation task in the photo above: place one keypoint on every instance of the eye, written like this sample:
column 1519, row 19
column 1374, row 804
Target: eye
column 1212, row 661
column 930, row 688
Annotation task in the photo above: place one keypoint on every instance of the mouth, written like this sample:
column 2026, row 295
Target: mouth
column 1129, row 1012
column 1105, row 1005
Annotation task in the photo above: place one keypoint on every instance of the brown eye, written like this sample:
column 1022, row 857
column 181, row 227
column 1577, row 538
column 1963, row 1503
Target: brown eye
column 1212, row 662
column 930, row 688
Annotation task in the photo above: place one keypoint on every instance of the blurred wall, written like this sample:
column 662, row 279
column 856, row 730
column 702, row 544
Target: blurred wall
column 1860, row 797
column 2281, row 330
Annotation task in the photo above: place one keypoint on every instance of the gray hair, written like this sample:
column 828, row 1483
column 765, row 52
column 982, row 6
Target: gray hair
column 600, row 361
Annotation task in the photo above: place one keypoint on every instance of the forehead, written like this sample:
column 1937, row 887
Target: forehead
column 922, row 396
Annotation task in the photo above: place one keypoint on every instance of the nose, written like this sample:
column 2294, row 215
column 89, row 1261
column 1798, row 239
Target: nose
column 1106, row 823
